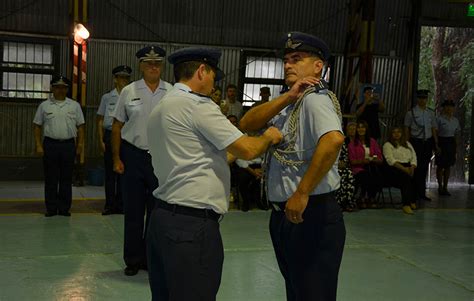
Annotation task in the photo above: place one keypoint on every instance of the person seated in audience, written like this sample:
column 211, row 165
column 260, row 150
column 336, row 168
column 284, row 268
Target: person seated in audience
column 351, row 129
column 249, row 176
column 365, row 157
column 401, row 160
column 233, row 119
column 345, row 193
column 216, row 95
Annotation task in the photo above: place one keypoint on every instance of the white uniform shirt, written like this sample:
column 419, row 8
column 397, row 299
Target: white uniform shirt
column 188, row 138
column 107, row 107
column 59, row 119
column 399, row 154
column 134, row 105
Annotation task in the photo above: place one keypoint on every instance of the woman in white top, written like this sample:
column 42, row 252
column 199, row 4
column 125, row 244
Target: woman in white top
column 401, row 160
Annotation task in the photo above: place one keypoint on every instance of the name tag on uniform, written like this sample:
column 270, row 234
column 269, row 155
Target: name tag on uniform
column 136, row 99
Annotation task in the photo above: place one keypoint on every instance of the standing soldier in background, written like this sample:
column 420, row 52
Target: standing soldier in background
column 131, row 156
column 448, row 129
column 62, row 122
column 421, row 130
column 264, row 96
column 113, row 195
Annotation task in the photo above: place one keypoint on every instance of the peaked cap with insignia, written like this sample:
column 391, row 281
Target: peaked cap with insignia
column 151, row 53
column 299, row 41
column 59, row 81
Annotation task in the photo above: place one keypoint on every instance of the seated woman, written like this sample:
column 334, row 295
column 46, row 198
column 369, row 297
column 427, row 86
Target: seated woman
column 401, row 159
column 345, row 193
column 249, row 176
column 365, row 157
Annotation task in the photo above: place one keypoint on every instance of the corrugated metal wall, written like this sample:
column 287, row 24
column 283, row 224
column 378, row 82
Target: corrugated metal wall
column 388, row 71
column 16, row 130
column 445, row 13
column 40, row 16
column 244, row 23
column 391, row 27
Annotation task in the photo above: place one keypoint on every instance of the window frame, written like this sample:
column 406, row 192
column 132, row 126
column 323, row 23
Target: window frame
column 255, row 80
column 55, row 46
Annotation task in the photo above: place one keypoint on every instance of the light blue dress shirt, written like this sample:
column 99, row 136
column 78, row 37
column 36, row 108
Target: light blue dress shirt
column 447, row 127
column 135, row 103
column 59, row 119
column 316, row 118
column 107, row 107
column 188, row 137
column 421, row 122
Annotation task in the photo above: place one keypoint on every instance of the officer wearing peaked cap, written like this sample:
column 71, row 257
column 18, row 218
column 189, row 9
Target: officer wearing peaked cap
column 113, row 196
column 189, row 137
column 130, row 152
column 421, row 129
column 60, row 122
column 448, row 132
column 306, row 224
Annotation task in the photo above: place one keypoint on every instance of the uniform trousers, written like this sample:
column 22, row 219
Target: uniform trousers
column 138, row 183
column 185, row 253
column 447, row 157
column 424, row 151
column 397, row 178
column 309, row 254
column 113, row 193
column 58, row 163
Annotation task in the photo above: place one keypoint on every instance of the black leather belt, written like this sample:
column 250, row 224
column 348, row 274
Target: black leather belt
column 59, row 140
column 143, row 151
column 313, row 201
column 178, row 209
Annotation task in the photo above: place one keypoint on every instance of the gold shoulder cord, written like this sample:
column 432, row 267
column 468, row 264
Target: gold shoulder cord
column 281, row 153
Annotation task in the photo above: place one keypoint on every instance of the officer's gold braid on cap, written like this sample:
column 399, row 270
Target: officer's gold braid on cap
column 281, row 154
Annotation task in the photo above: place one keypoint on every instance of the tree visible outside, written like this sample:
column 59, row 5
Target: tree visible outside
column 447, row 70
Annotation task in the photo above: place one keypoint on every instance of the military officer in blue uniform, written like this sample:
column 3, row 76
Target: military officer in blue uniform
column 59, row 135
column 306, row 224
column 131, row 157
column 188, row 137
column 421, row 129
column 448, row 130
column 113, row 195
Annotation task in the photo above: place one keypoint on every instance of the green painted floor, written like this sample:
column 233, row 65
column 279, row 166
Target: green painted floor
column 388, row 256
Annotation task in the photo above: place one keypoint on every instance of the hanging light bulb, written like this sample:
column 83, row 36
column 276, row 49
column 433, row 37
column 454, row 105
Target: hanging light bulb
column 81, row 34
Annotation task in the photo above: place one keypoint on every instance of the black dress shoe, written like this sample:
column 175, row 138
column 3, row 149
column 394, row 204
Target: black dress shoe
column 131, row 270
column 64, row 213
column 425, row 198
column 107, row 211
column 50, row 213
